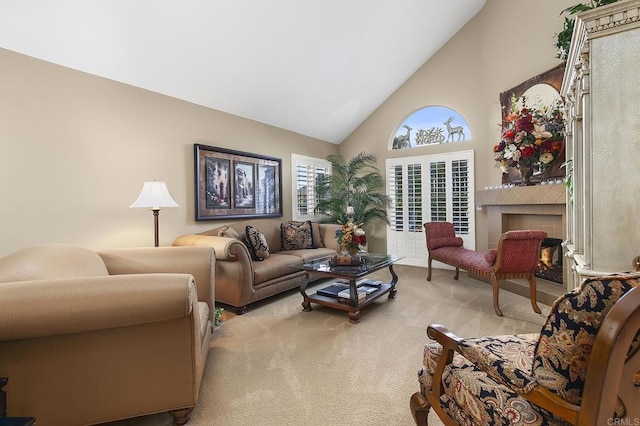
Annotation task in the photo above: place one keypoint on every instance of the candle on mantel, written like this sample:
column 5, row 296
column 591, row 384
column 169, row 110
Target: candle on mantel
column 349, row 209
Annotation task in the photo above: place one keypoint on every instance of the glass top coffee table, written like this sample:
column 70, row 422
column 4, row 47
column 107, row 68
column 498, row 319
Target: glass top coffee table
column 350, row 291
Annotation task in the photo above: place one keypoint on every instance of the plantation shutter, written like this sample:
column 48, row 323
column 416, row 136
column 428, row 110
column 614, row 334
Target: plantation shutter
column 395, row 181
column 460, row 194
column 428, row 188
column 308, row 171
column 405, row 179
column 451, row 193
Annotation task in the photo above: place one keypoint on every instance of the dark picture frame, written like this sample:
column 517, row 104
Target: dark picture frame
column 235, row 184
column 552, row 77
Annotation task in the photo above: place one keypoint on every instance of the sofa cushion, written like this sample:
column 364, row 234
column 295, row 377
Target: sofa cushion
column 257, row 243
column 276, row 266
column 471, row 259
column 296, row 235
column 507, row 359
column 306, row 255
column 473, row 397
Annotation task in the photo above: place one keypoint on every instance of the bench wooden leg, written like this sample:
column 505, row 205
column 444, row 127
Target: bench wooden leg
column 496, row 290
column 533, row 293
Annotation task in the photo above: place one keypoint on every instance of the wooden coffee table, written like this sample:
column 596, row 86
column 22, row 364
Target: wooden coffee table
column 350, row 273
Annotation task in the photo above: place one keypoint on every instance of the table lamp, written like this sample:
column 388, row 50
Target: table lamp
column 154, row 195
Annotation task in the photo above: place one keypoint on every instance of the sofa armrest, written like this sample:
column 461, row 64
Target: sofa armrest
column 225, row 248
column 32, row 309
column 196, row 261
column 234, row 267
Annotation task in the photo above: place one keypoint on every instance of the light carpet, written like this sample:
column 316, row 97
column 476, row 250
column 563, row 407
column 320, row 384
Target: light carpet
column 278, row 365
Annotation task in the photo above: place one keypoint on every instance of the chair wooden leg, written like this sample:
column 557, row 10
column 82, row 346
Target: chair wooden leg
column 429, row 269
column 533, row 293
column 496, row 290
column 455, row 277
column 181, row 417
column 419, row 408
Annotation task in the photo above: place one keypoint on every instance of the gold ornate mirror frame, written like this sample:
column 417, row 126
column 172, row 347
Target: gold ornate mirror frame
column 553, row 78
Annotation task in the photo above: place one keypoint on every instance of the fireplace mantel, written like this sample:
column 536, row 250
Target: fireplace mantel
column 523, row 195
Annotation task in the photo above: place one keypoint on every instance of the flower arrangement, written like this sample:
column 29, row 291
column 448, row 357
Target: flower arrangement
column 351, row 237
column 530, row 136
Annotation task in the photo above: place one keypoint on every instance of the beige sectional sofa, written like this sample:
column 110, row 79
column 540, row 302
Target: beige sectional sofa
column 88, row 337
column 240, row 280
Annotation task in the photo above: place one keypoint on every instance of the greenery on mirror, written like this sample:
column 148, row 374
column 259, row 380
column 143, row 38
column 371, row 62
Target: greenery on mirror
column 355, row 183
column 217, row 316
column 563, row 38
column 568, row 165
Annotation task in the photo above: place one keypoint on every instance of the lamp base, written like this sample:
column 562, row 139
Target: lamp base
column 156, row 233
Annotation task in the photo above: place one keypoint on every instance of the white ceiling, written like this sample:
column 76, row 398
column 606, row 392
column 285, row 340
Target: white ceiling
column 315, row 67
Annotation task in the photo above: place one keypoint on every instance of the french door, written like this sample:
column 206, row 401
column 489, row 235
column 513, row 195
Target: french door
column 427, row 189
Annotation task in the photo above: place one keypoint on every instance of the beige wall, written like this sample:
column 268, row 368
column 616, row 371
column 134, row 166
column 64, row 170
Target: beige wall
column 508, row 42
column 75, row 150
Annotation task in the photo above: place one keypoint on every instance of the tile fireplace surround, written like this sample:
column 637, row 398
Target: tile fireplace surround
column 525, row 207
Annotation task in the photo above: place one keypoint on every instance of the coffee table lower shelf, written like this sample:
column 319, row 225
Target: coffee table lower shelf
column 354, row 311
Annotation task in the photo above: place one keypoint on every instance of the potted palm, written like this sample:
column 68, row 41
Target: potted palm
column 354, row 192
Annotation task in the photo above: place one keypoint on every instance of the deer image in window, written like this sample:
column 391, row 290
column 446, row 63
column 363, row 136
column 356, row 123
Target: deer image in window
column 454, row 130
column 403, row 141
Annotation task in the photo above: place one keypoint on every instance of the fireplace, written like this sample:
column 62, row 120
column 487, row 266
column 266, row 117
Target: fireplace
column 528, row 207
column 550, row 265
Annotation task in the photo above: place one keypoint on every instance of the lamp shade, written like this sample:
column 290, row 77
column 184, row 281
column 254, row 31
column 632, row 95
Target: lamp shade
column 154, row 195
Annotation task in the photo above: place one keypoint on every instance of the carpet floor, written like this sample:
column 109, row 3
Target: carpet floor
column 278, row 365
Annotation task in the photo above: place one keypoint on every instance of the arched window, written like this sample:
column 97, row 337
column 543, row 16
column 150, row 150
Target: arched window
column 431, row 125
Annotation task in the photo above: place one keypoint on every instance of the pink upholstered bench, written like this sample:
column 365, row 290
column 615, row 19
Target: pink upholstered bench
column 516, row 257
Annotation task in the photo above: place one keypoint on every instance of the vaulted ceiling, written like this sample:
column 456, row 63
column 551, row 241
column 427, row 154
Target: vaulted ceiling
column 315, row 67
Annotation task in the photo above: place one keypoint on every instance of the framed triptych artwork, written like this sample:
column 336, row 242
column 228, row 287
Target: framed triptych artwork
column 234, row 184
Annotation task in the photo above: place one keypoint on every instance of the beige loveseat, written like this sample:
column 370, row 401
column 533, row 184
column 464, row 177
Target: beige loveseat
column 241, row 280
column 89, row 337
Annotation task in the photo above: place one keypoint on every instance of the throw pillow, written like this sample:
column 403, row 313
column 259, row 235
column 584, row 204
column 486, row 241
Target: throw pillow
column 229, row 233
column 490, row 256
column 317, row 236
column 296, row 235
column 256, row 243
column 438, row 242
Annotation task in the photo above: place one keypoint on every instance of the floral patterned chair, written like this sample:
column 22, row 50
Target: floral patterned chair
column 516, row 257
column 582, row 368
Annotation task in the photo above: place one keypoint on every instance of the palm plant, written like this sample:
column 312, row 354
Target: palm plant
column 356, row 183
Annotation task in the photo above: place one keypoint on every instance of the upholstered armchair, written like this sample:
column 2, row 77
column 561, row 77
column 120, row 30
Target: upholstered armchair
column 88, row 337
column 582, row 368
column 516, row 257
